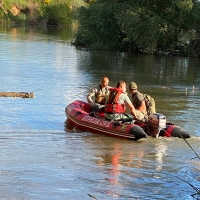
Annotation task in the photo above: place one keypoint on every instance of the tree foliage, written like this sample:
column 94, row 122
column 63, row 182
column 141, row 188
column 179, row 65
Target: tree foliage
column 144, row 25
column 97, row 22
column 56, row 12
column 51, row 12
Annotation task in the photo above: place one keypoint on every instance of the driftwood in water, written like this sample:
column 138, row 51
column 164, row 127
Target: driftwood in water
column 17, row 94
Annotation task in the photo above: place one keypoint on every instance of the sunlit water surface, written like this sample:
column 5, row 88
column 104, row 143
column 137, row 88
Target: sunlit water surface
column 40, row 159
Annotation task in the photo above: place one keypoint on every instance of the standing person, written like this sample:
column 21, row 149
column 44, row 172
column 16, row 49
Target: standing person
column 116, row 104
column 144, row 103
column 98, row 95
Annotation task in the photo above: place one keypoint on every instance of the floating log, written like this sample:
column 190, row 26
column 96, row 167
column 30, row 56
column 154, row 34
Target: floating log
column 17, row 94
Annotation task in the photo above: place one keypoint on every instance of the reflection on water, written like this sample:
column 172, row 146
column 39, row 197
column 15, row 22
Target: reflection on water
column 42, row 159
column 32, row 33
column 161, row 151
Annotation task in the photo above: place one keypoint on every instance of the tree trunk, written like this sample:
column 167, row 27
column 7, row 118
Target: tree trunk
column 17, row 94
column 1, row 6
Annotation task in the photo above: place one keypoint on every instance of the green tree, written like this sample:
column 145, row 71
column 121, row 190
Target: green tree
column 57, row 12
column 140, row 25
column 98, row 26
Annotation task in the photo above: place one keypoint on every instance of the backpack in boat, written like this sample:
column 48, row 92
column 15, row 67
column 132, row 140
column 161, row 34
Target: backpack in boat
column 150, row 103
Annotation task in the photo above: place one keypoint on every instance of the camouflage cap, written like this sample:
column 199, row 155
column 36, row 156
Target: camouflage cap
column 133, row 86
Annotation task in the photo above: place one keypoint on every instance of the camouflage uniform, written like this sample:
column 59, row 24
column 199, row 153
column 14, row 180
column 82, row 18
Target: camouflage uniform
column 100, row 94
column 97, row 98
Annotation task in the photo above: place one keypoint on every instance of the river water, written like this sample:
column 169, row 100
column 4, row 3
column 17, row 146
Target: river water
column 41, row 160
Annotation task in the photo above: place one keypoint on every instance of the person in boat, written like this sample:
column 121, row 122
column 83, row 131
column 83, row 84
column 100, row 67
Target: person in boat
column 115, row 106
column 98, row 95
column 143, row 103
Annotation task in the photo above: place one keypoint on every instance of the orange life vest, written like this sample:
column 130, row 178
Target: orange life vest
column 112, row 104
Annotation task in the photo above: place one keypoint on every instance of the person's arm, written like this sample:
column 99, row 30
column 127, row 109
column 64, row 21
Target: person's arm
column 131, row 106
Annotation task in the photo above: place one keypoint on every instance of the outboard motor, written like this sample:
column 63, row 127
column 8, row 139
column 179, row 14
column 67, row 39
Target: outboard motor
column 156, row 123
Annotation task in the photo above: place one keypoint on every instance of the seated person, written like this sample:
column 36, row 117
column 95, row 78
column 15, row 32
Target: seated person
column 116, row 104
column 100, row 94
column 143, row 103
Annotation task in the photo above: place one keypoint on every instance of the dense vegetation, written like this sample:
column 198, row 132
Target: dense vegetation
column 127, row 25
column 148, row 26
column 50, row 12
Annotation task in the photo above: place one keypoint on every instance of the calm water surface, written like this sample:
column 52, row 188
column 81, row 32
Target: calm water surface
column 41, row 160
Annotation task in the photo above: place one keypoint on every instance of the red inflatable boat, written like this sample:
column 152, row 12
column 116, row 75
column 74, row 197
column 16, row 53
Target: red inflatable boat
column 78, row 115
